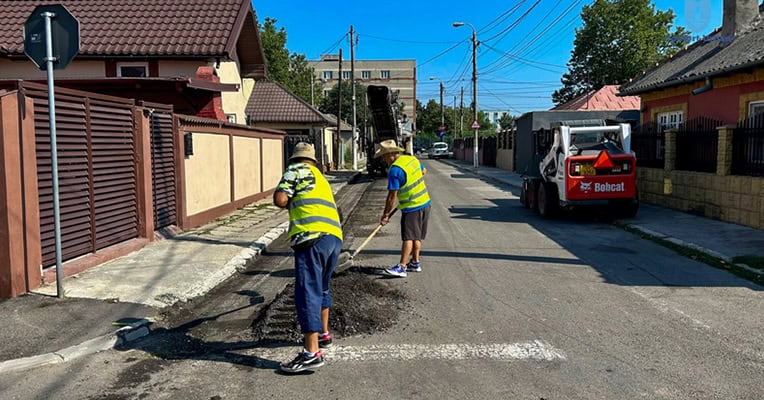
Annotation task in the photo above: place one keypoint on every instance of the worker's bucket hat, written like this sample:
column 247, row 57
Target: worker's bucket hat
column 386, row 147
column 304, row 150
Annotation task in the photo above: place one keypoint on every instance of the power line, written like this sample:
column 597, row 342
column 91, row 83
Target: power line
column 514, row 24
column 334, row 46
column 402, row 41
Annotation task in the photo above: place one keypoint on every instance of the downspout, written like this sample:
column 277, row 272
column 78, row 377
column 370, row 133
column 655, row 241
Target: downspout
column 708, row 86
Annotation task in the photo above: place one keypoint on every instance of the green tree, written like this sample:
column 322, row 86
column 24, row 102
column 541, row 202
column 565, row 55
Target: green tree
column 329, row 103
column 506, row 121
column 617, row 41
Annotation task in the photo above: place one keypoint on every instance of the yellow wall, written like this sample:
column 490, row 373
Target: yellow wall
column 273, row 163
column 179, row 68
column 246, row 156
column 208, row 178
column 27, row 70
column 234, row 102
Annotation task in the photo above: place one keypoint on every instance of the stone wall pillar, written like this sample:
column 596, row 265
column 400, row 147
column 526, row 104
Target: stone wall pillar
column 724, row 156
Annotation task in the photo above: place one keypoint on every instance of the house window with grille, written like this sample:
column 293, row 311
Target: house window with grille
column 346, row 74
column 385, row 74
column 366, row 74
column 133, row 69
column 670, row 120
column 755, row 109
column 327, row 74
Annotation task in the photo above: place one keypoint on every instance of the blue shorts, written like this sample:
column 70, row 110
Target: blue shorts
column 314, row 266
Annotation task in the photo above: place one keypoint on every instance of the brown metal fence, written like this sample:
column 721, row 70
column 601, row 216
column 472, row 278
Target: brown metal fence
column 748, row 147
column 97, row 170
column 162, row 164
column 697, row 143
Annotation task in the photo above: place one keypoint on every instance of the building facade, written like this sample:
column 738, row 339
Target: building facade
column 494, row 116
column 398, row 75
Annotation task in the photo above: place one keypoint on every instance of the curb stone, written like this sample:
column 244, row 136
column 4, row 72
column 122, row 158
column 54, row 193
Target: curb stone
column 105, row 342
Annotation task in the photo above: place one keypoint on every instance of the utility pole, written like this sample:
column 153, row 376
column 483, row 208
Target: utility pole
column 474, row 92
column 454, row 113
column 336, row 137
column 354, row 136
column 461, row 115
column 442, row 119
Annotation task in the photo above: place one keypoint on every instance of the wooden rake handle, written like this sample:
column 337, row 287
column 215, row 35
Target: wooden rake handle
column 371, row 236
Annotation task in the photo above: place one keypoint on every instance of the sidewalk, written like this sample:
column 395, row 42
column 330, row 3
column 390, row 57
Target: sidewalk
column 718, row 239
column 115, row 301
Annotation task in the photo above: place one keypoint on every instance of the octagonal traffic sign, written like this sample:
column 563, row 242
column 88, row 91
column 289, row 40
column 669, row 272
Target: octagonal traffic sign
column 65, row 35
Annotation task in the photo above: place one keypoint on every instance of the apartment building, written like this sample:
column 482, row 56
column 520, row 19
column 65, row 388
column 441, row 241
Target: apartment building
column 398, row 75
column 495, row 115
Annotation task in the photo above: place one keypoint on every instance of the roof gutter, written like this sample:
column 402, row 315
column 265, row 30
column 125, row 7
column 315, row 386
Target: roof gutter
column 710, row 74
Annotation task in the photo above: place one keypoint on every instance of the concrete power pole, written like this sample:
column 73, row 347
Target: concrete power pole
column 461, row 115
column 339, row 117
column 354, row 135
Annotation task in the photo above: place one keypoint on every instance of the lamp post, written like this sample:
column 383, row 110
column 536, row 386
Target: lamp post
column 442, row 118
column 474, row 87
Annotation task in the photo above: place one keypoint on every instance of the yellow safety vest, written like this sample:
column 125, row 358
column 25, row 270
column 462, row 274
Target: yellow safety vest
column 315, row 211
column 414, row 193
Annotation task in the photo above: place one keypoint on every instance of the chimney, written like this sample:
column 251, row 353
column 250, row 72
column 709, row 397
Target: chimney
column 739, row 15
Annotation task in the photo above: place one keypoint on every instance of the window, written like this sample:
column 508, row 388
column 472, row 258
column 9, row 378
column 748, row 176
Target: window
column 385, row 74
column 133, row 69
column 327, row 74
column 346, row 74
column 670, row 120
column 755, row 108
column 366, row 74
column 326, row 92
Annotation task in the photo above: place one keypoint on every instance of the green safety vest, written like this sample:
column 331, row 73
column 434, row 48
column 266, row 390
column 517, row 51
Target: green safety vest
column 414, row 193
column 315, row 211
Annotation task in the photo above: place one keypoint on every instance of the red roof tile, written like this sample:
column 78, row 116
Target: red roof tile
column 601, row 100
column 270, row 102
column 208, row 28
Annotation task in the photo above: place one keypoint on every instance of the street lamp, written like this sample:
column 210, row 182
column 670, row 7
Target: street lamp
column 442, row 119
column 474, row 87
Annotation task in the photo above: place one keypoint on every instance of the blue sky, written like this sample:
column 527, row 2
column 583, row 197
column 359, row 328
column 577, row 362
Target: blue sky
column 542, row 36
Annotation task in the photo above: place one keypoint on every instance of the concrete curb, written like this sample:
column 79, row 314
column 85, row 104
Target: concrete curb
column 237, row 263
column 121, row 336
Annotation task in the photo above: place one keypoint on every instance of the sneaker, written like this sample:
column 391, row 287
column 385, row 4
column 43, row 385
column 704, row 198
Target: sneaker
column 325, row 340
column 414, row 266
column 303, row 363
column 396, row 270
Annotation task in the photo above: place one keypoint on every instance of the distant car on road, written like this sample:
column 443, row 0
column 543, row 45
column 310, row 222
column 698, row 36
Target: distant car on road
column 439, row 150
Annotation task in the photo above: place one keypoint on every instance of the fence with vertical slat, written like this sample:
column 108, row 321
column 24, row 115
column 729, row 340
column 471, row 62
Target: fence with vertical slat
column 96, row 170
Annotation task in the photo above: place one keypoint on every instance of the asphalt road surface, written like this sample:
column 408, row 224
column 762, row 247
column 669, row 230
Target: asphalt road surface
column 508, row 306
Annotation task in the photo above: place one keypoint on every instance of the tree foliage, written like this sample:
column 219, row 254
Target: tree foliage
column 617, row 41
column 456, row 120
column 290, row 70
column 329, row 104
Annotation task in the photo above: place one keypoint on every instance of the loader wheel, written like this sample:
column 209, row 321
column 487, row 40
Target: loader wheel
column 547, row 200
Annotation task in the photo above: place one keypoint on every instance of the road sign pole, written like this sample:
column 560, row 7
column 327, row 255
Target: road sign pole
column 53, row 152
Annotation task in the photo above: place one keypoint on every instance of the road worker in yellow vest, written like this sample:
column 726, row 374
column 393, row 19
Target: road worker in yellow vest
column 315, row 233
column 407, row 191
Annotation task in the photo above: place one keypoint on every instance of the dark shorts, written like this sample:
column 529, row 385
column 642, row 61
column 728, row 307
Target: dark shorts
column 414, row 224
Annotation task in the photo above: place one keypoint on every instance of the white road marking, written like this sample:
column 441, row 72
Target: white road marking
column 532, row 350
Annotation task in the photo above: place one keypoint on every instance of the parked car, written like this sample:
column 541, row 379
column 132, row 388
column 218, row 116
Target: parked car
column 439, row 150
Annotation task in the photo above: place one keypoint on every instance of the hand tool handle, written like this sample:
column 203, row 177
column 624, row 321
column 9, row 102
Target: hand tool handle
column 374, row 232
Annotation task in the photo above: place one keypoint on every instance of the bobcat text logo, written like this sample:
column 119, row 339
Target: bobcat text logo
column 609, row 187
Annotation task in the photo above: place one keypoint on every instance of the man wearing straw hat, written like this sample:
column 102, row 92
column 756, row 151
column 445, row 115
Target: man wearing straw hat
column 406, row 187
column 316, row 238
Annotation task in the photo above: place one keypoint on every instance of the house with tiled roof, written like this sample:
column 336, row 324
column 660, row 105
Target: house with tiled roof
column 605, row 98
column 201, row 56
column 720, row 76
column 273, row 106
column 700, row 147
